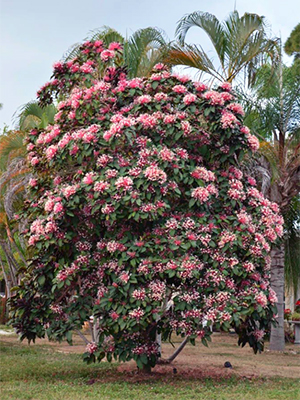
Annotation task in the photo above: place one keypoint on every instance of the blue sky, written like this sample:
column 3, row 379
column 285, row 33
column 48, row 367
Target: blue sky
column 36, row 33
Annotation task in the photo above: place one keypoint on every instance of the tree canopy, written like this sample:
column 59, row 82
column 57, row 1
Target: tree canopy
column 140, row 215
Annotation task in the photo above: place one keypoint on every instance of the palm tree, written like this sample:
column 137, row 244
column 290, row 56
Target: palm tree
column 273, row 116
column 240, row 44
column 14, row 176
column 292, row 44
column 142, row 50
column 32, row 116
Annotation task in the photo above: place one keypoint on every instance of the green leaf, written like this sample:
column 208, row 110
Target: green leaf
column 41, row 280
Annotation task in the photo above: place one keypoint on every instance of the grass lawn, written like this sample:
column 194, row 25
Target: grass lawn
column 42, row 373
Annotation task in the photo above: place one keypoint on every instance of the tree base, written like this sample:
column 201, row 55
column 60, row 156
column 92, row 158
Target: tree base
column 145, row 370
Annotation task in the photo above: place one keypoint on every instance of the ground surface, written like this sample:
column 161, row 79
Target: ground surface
column 50, row 371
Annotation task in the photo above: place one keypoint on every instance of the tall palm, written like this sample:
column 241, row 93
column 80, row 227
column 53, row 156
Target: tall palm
column 142, row 50
column 240, row 43
column 274, row 116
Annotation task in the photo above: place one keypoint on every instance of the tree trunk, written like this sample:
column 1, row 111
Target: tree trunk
column 179, row 350
column 277, row 340
column 146, row 369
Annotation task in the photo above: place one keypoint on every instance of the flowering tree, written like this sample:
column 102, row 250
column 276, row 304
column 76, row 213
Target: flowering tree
column 140, row 216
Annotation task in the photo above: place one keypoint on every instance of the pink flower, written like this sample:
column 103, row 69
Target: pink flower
column 108, row 209
column 261, row 299
column 226, row 237
column 249, row 267
column 139, row 294
column 34, row 161
column 204, row 174
column 244, row 218
column 101, row 186
column 68, row 191
column 112, row 246
column 58, row 208
column 253, row 142
column 143, row 99
column 148, row 121
column 179, row 89
column 236, row 108
column 228, row 120
column 57, row 65
column 252, row 181
column 157, row 290
column 153, row 173
column 49, row 205
column 169, row 119
column 159, row 67
column 226, row 96
column 258, row 334
column 226, row 86
column 189, row 99
column 33, row 182
column 161, row 96
column 115, row 46
column 245, row 130
column 91, row 348
column 87, row 69
column 166, row 154
column 57, row 180
column 135, row 83
column 51, row 227
column 124, row 182
column 124, row 277
column 114, row 315
column 98, row 43
column 186, row 127
column 107, row 55
column 30, row 146
column 72, row 115
column 201, row 194
column 214, row 98
column 137, row 313
column 272, row 296
column 200, row 87
column 89, row 178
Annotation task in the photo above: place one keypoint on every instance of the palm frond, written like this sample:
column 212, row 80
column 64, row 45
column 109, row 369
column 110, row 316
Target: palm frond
column 32, row 115
column 106, row 34
column 11, row 145
column 211, row 26
column 144, row 49
column 192, row 56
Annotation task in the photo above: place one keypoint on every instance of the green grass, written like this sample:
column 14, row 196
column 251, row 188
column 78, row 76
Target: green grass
column 40, row 373
column 6, row 328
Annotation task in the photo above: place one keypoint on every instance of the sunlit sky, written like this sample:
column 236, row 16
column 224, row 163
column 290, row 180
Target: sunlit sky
column 36, row 33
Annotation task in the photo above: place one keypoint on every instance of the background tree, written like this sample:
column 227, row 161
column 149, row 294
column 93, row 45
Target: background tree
column 14, row 178
column 140, row 215
column 14, row 175
column 273, row 115
column 241, row 45
column 292, row 44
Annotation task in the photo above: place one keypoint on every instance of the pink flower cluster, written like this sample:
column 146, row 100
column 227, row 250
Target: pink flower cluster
column 154, row 173
column 228, row 120
column 201, row 194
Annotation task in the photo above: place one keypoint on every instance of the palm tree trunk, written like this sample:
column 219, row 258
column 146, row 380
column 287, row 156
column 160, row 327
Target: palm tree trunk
column 277, row 341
